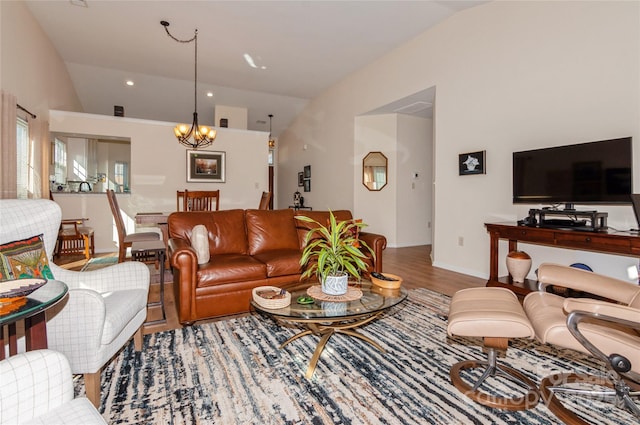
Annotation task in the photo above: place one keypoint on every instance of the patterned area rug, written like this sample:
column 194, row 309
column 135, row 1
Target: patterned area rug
column 232, row 372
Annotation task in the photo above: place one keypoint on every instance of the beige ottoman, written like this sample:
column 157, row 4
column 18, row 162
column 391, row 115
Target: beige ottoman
column 494, row 314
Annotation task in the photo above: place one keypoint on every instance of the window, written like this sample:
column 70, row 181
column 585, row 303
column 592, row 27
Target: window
column 25, row 156
column 121, row 176
column 60, row 160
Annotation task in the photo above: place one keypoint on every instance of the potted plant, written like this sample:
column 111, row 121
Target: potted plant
column 332, row 252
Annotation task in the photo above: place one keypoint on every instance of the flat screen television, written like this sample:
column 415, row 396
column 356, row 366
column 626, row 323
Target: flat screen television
column 585, row 173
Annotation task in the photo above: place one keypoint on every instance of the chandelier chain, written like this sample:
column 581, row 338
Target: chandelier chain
column 203, row 136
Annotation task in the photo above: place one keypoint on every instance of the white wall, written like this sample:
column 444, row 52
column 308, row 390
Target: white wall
column 402, row 209
column 30, row 66
column 158, row 168
column 509, row 76
column 414, row 195
column 378, row 209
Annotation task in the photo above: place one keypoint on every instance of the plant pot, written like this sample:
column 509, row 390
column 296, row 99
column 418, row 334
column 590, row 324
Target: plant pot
column 518, row 265
column 333, row 309
column 335, row 285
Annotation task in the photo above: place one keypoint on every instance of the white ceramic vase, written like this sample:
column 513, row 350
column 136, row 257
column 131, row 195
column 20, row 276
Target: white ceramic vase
column 335, row 285
column 518, row 265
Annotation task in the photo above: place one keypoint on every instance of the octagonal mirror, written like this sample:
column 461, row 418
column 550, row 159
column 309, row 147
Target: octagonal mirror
column 374, row 171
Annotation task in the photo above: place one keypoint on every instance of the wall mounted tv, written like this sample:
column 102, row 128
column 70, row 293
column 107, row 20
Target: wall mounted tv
column 585, row 173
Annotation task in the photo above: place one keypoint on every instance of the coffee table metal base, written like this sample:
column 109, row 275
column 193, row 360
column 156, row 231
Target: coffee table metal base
column 326, row 328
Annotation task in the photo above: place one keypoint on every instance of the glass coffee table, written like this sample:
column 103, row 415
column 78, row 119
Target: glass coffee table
column 324, row 318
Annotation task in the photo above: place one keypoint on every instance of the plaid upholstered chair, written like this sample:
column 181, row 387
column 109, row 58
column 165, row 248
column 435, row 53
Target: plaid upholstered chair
column 37, row 388
column 103, row 309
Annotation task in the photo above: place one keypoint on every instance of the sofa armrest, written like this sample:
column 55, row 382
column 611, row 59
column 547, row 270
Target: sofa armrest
column 76, row 323
column 33, row 383
column 377, row 243
column 129, row 275
column 184, row 261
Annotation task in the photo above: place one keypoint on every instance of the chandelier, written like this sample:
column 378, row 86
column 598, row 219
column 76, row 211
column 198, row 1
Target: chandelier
column 196, row 136
column 272, row 142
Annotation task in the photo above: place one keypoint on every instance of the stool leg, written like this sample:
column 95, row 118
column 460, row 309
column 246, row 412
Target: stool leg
column 491, row 368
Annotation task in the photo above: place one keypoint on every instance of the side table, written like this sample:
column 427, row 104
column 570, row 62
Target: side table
column 32, row 311
column 147, row 251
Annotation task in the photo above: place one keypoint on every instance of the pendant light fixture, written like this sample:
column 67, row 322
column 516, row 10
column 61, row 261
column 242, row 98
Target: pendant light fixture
column 196, row 136
column 272, row 142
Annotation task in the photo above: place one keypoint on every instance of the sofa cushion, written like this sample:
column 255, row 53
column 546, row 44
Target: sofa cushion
column 230, row 268
column 281, row 262
column 271, row 230
column 226, row 229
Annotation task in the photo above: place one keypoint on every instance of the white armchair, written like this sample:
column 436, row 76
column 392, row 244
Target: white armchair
column 104, row 308
column 37, row 388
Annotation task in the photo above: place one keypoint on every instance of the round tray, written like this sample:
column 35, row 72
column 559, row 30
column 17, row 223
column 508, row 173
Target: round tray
column 351, row 295
column 270, row 303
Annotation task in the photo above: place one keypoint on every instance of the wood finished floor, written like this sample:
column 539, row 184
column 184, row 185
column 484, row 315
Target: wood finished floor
column 412, row 263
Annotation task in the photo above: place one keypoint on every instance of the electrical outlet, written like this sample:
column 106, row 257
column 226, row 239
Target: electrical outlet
column 460, row 241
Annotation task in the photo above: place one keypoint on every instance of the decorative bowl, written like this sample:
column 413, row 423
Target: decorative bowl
column 10, row 289
column 392, row 293
column 387, row 284
column 271, row 297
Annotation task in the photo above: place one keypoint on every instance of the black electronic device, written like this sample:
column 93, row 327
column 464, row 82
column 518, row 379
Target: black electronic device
column 586, row 221
column 586, row 173
column 635, row 201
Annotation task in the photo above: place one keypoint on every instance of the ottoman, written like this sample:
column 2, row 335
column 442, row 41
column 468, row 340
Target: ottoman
column 494, row 314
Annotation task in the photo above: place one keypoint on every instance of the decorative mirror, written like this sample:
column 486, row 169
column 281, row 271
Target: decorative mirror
column 374, row 171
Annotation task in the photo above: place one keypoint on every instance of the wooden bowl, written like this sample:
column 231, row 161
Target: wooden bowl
column 270, row 303
column 387, row 284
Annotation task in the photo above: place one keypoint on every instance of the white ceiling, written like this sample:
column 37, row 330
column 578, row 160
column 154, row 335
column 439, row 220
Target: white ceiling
column 306, row 46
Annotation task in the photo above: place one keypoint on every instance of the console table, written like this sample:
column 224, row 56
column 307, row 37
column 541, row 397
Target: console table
column 609, row 242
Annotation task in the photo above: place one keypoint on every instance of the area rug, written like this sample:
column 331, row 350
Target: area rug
column 232, row 372
column 99, row 263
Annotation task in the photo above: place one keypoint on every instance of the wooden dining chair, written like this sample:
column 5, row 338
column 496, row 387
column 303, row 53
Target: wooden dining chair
column 264, row 201
column 201, row 200
column 179, row 200
column 126, row 240
column 74, row 238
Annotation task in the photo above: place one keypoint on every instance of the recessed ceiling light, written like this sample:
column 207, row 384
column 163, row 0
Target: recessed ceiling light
column 130, row 83
column 209, row 94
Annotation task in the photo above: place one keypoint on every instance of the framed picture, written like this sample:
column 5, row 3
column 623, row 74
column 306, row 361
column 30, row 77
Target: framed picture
column 307, row 185
column 300, row 179
column 307, row 171
column 205, row 166
column 472, row 163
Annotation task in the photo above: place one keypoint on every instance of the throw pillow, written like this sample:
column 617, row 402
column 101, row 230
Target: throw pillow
column 24, row 259
column 200, row 243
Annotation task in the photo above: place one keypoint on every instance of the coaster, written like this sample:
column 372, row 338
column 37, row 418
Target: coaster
column 351, row 295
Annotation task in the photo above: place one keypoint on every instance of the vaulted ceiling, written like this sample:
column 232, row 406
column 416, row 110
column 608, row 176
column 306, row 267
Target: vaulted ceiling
column 297, row 50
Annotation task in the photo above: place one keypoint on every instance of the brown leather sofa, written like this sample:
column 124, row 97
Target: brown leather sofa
column 248, row 248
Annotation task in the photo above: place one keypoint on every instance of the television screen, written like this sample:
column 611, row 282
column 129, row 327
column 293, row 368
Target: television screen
column 585, row 173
